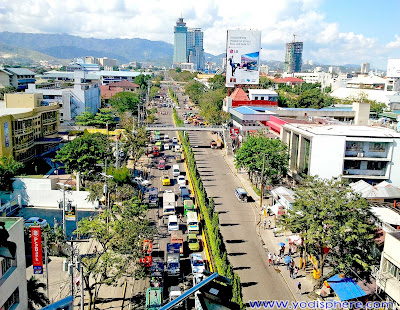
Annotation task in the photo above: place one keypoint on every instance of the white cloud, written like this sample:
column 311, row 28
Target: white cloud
column 155, row 19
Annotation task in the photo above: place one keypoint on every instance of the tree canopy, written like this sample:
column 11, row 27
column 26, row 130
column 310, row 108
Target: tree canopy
column 100, row 119
column 124, row 102
column 257, row 147
column 334, row 223
column 211, row 105
column 84, row 154
column 194, row 89
column 9, row 168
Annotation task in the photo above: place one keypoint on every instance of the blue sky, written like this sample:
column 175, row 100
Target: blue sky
column 334, row 32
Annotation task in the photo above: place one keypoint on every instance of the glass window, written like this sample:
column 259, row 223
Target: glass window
column 377, row 146
column 12, row 300
column 352, row 164
column 376, row 165
column 353, row 146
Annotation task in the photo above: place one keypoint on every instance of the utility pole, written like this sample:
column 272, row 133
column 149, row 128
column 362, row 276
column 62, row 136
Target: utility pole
column 262, row 182
column 47, row 268
column 117, row 155
column 82, row 291
column 63, row 185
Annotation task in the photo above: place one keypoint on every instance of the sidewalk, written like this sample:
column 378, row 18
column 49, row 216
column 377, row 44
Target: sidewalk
column 271, row 243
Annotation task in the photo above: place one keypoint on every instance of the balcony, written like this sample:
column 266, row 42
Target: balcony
column 364, row 173
column 23, row 131
column 50, row 132
column 49, row 120
column 24, row 146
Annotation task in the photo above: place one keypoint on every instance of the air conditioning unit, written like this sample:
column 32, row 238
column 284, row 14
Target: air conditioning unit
column 360, row 154
column 345, row 172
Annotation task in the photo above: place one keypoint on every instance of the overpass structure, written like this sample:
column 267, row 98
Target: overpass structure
column 186, row 128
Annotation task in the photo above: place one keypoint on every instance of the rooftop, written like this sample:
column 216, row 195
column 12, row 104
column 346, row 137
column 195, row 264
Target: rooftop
column 123, row 84
column 381, row 190
column 9, row 221
column 386, row 215
column 253, row 110
column 395, row 235
column 21, row 71
column 262, row 91
column 13, row 111
column 239, row 95
column 347, row 130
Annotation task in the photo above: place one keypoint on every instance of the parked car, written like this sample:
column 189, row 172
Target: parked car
column 181, row 180
column 141, row 181
column 36, row 221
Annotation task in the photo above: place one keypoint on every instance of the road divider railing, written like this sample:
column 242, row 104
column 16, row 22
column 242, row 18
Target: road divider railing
column 212, row 236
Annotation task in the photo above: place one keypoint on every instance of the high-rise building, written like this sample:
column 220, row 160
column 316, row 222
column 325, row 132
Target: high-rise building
column 180, row 41
column 293, row 57
column 195, row 50
column 364, row 68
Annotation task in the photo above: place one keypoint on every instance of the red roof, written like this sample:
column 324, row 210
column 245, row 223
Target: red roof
column 289, row 80
column 239, row 95
column 123, row 83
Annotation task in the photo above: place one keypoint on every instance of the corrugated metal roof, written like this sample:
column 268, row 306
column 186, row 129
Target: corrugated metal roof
column 21, row 71
column 284, row 192
column 382, row 190
column 386, row 215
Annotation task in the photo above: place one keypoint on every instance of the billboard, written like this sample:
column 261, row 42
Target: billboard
column 37, row 261
column 393, row 68
column 242, row 57
column 6, row 135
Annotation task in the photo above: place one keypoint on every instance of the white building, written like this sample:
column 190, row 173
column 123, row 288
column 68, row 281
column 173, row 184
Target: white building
column 388, row 275
column 323, row 78
column 393, row 74
column 348, row 151
column 13, row 288
column 264, row 69
column 282, row 200
column 364, row 68
column 263, row 94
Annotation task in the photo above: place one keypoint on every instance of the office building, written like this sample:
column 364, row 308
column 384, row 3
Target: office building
column 364, row 68
column 28, row 125
column 347, row 151
column 388, row 275
column 293, row 57
column 13, row 284
column 195, row 50
column 180, row 41
column 16, row 77
column 107, row 62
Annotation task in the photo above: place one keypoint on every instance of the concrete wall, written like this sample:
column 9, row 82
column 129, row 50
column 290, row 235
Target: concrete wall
column 23, row 100
column 43, row 193
column 395, row 163
column 16, row 276
column 4, row 80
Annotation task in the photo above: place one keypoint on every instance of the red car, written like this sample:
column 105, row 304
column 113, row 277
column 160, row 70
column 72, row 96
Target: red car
column 156, row 151
column 161, row 164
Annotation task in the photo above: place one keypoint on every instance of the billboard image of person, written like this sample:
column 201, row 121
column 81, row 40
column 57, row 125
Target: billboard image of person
column 243, row 57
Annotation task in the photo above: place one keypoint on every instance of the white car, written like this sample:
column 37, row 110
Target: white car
column 166, row 138
column 186, row 121
column 142, row 182
column 166, row 146
column 175, row 139
column 177, row 107
column 182, row 180
column 35, row 221
column 196, row 262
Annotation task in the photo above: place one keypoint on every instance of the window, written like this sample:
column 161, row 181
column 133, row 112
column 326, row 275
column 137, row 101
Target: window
column 12, row 300
column 376, row 165
column 352, row 164
column 6, row 264
column 256, row 98
column 377, row 147
column 353, row 146
column 262, row 98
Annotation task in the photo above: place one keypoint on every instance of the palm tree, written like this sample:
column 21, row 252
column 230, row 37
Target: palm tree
column 35, row 296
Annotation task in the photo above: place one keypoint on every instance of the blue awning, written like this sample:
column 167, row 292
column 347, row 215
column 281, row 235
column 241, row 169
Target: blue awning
column 345, row 288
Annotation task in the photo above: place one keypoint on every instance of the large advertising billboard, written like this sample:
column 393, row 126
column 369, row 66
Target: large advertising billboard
column 393, row 68
column 242, row 57
column 37, row 260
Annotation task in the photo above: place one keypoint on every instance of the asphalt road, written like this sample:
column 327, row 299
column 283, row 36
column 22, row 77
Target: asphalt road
column 237, row 223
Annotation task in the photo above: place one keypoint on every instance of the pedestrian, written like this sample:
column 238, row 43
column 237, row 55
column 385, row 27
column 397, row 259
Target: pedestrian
column 180, row 217
column 295, row 271
column 265, row 223
column 290, row 251
column 269, row 258
column 299, row 287
column 275, row 229
column 278, row 260
column 273, row 259
column 269, row 224
column 291, row 271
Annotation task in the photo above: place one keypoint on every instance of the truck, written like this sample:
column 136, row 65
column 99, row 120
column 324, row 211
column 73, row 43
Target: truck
column 169, row 204
column 157, row 272
column 177, row 238
column 151, row 197
column 173, row 257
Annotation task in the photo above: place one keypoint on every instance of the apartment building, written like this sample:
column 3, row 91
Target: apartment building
column 351, row 152
column 26, row 124
column 13, row 288
column 388, row 275
column 16, row 77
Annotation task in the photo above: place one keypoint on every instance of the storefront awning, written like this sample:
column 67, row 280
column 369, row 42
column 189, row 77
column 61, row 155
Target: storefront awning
column 345, row 288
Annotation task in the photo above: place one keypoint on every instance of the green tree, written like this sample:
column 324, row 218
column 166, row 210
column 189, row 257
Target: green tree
column 85, row 154
column 217, row 82
column 154, row 91
column 378, row 107
column 85, row 119
column 105, row 116
column 7, row 90
column 258, row 147
column 124, row 102
column 178, row 70
column 211, row 107
column 142, row 80
column 35, row 295
column 8, row 169
column 194, row 90
column 135, row 144
column 335, row 225
column 265, row 82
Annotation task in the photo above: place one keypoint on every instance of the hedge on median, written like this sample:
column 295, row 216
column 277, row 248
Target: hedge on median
column 211, row 219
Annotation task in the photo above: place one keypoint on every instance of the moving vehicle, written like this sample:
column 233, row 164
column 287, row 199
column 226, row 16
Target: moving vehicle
column 161, row 164
column 166, row 138
column 157, row 272
column 196, row 262
column 175, row 292
column 159, row 145
column 177, row 238
column 192, row 222
column 241, row 194
column 175, row 170
column 151, row 196
column 166, row 146
column 213, row 144
column 156, row 151
column 154, row 298
column 35, row 221
column 141, row 181
column 157, row 136
column 173, row 264
column 177, row 148
column 193, row 242
column 181, row 180
column 169, row 203
column 173, row 223
column 184, row 192
column 174, row 140
column 165, row 180
column 188, row 206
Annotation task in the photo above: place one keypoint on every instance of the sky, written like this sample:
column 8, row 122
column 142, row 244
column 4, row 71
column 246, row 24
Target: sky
column 334, row 32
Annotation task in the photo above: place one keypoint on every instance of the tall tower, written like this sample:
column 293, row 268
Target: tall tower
column 293, row 57
column 180, row 41
column 364, row 68
column 195, row 50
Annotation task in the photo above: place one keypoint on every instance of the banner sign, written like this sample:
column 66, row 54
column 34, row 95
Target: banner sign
column 242, row 57
column 6, row 135
column 37, row 260
column 234, row 130
column 70, row 214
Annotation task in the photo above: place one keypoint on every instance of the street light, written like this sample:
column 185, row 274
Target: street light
column 106, row 192
column 63, row 206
